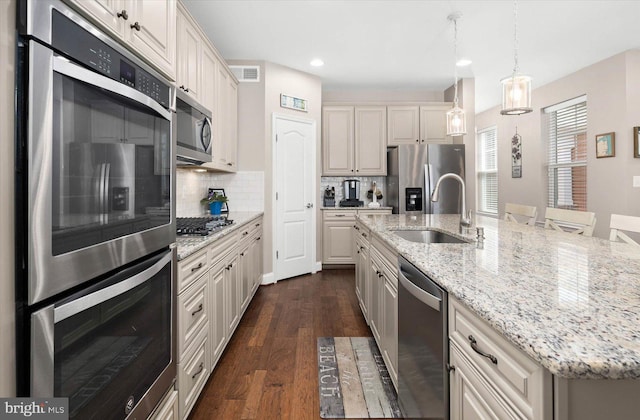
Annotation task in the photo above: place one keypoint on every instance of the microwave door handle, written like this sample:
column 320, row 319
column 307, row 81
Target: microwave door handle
column 64, row 66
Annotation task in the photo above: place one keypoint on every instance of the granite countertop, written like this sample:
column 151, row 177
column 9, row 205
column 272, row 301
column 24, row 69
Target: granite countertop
column 187, row 245
column 570, row 302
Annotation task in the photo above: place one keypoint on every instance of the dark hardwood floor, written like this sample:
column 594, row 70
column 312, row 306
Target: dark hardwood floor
column 269, row 369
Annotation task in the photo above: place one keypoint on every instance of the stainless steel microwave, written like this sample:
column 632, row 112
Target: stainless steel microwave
column 194, row 131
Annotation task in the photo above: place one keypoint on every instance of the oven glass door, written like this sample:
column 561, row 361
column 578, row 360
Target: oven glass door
column 110, row 343
column 100, row 183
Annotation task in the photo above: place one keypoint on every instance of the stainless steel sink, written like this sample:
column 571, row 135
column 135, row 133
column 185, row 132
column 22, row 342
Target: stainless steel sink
column 429, row 237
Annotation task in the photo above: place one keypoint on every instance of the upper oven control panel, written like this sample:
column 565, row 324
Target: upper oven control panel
column 79, row 44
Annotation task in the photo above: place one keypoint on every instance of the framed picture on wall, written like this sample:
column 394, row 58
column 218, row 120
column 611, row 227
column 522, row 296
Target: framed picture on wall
column 606, row 145
column 636, row 142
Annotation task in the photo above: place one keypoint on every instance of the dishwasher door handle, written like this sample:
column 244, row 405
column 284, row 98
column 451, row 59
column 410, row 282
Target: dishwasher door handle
column 423, row 296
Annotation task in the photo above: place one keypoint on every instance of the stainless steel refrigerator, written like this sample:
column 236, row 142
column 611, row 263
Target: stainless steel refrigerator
column 412, row 172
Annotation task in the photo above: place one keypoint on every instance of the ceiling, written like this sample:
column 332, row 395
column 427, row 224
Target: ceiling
column 408, row 44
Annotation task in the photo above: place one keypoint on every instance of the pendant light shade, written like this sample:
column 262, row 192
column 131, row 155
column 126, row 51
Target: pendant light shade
column 516, row 95
column 516, row 89
column 456, row 121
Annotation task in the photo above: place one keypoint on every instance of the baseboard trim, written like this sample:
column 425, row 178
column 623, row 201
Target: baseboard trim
column 268, row 278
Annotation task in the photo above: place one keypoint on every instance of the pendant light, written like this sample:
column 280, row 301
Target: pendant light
column 456, row 121
column 516, row 89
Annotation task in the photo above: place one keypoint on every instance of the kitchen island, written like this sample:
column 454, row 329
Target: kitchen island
column 570, row 303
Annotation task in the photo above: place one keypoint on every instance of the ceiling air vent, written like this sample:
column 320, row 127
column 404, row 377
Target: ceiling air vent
column 246, row 73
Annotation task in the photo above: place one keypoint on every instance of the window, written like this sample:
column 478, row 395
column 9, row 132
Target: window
column 487, row 170
column 565, row 125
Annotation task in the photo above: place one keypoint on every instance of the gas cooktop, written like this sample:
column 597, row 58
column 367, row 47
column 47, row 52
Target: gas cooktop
column 201, row 226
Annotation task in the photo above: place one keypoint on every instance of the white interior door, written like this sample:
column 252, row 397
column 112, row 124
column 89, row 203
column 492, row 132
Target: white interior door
column 294, row 181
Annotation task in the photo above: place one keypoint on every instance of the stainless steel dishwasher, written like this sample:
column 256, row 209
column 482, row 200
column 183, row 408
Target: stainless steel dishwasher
column 423, row 346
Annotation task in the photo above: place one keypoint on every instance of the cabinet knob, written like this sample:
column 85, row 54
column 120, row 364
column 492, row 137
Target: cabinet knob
column 124, row 15
column 417, row 141
column 136, row 26
column 229, row 164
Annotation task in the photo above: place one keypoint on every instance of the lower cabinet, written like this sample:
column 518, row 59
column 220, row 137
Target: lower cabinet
column 216, row 285
column 337, row 235
column 168, row 408
column 492, row 378
column 377, row 291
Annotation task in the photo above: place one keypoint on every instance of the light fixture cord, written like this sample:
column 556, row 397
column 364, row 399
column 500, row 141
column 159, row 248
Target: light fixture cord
column 515, row 36
column 455, row 63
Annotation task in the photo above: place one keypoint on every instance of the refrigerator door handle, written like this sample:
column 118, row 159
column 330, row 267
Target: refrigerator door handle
column 427, row 188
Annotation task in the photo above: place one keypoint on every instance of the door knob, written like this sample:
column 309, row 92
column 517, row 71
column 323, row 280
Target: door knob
column 309, row 205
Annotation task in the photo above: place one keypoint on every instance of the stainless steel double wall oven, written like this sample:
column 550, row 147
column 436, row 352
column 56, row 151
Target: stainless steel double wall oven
column 95, row 214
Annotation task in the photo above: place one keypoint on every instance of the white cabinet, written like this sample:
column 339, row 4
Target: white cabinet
column 376, row 284
column 211, row 300
column 146, row 26
column 413, row 124
column 361, row 252
column 225, row 115
column 492, row 371
column 390, row 323
column 354, row 140
column 337, row 238
column 168, row 408
column 209, row 89
column 433, row 124
column 189, row 55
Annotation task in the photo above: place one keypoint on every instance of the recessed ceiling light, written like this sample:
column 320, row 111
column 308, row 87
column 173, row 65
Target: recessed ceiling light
column 316, row 62
column 463, row 62
column 199, row 170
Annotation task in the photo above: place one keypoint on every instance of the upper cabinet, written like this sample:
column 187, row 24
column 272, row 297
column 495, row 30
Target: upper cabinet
column 203, row 74
column 189, row 55
column 146, row 26
column 417, row 124
column 354, row 140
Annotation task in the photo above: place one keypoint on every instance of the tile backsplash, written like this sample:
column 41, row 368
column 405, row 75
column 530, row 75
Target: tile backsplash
column 245, row 190
column 366, row 183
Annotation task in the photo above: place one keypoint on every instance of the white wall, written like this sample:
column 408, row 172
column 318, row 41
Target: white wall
column 612, row 87
column 7, row 305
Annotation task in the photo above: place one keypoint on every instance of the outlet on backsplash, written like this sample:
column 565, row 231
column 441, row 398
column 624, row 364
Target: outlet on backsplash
column 366, row 183
column 244, row 189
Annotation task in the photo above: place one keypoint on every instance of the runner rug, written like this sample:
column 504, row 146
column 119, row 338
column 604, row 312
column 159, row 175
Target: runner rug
column 353, row 380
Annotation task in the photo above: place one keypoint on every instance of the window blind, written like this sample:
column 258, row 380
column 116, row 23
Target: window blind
column 487, row 170
column 566, row 131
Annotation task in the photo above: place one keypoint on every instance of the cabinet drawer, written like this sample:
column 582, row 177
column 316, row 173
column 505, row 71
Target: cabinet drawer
column 193, row 313
column 366, row 213
column 192, row 268
column 389, row 256
column 362, row 232
column 339, row 214
column 193, row 373
column 522, row 381
column 168, row 408
column 221, row 247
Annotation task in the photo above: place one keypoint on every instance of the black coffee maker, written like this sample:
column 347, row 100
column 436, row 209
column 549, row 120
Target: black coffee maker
column 329, row 199
column 351, row 193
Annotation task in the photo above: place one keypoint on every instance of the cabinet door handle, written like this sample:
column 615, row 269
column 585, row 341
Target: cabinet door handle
column 258, row 238
column 364, row 234
column 242, row 254
column 356, row 227
column 200, row 308
column 340, row 215
column 200, row 369
column 136, row 26
column 450, row 368
column 124, row 15
column 229, row 164
column 474, row 346
column 245, row 233
column 196, row 268
column 257, row 224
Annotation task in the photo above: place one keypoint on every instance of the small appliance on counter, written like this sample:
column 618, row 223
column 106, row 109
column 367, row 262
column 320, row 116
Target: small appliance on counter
column 329, row 199
column 351, row 194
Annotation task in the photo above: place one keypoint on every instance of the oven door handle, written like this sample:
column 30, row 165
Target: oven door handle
column 423, row 296
column 66, row 67
column 76, row 306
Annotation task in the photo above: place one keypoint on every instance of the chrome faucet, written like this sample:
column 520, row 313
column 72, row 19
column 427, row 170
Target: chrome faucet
column 465, row 217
